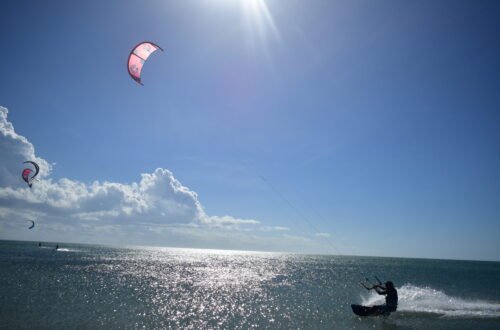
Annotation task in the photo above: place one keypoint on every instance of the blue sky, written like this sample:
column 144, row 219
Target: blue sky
column 376, row 123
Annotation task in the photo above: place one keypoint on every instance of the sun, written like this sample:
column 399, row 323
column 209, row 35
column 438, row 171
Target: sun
column 255, row 13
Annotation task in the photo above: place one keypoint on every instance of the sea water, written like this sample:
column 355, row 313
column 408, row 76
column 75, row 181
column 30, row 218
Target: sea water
column 98, row 287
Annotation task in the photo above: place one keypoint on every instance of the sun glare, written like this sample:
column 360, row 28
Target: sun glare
column 259, row 17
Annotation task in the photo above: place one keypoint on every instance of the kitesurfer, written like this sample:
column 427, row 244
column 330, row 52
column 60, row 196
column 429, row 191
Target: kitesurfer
column 391, row 297
column 391, row 300
column 39, row 244
column 57, row 247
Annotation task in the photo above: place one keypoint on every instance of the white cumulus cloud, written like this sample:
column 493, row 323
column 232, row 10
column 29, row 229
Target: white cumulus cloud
column 157, row 198
column 156, row 209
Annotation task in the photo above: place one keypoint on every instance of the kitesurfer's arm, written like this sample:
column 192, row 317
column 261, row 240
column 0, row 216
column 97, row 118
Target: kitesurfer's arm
column 380, row 290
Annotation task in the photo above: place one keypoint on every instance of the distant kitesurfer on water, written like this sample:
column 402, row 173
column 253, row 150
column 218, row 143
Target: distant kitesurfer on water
column 57, row 246
column 39, row 244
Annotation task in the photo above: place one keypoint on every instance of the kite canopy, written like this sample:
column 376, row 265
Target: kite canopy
column 138, row 56
column 32, row 224
column 26, row 174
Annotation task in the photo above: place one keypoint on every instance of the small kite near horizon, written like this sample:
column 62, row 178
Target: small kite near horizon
column 26, row 174
column 32, row 224
column 138, row 55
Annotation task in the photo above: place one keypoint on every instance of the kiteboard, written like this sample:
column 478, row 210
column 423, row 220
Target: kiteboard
column 368, row 310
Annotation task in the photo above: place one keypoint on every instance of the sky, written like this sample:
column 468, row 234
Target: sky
column 335, row 127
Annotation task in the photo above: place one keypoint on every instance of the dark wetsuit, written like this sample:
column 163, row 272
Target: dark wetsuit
column 391, row 300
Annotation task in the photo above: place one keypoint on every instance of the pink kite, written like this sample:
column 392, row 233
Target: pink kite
column 138, row 56
column 26, row 174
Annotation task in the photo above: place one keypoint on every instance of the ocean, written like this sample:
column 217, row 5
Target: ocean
column 102, row 287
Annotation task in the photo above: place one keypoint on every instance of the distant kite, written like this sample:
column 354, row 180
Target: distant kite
column 138, row 56
column 26, row 174
column 32, row 224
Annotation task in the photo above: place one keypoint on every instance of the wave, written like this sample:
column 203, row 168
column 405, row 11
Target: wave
column 428, row 300
column 66, row 250
column 59, row 249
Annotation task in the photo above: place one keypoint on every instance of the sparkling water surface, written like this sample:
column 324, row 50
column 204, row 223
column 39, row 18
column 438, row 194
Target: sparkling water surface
column 97, row 287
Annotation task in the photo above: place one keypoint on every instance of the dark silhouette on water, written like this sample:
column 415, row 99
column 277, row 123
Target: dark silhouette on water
column 39, row 244
column 57, row 247
column 391, row 297
column 391, row 300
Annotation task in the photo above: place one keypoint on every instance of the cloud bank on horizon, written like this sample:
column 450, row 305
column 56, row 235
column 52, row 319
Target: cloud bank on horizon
column 157, row 210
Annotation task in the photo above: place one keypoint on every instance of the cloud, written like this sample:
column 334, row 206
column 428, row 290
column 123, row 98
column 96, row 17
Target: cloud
column 157, row 198
column 157, row 209
column 274, row 228
column 228, row 220
column 15, row 149
column 326, row 235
